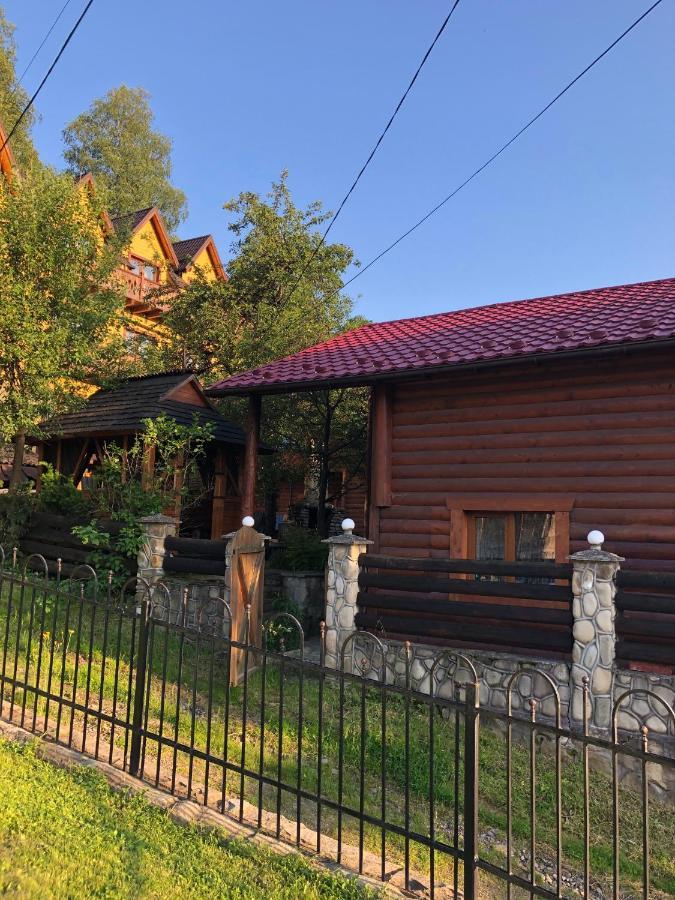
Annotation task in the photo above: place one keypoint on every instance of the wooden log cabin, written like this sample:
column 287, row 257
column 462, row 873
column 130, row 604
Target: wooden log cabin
column 509, row 431
column 118, row 415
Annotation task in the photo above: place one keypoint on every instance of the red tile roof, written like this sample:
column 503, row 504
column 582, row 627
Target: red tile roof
column 582, row 320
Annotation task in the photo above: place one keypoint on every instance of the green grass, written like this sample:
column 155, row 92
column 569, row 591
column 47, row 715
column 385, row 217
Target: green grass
column 64, row 833
column 187, row 714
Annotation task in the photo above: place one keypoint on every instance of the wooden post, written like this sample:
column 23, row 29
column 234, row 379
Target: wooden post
column 246, row 576
column 40, row 456
column 148, row 471
column 251, row 455
column 219, row 492
column 379, row 473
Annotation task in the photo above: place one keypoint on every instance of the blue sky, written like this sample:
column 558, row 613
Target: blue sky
column 585, row 199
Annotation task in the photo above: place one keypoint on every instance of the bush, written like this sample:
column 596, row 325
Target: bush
column 15, row 514
column 59, row 495
column 302, row 550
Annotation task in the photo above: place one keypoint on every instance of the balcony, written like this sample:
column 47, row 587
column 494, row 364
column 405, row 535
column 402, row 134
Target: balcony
column 136, row 290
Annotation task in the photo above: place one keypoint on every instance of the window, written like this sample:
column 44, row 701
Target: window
column 144, row 268
column 510, row 526
column 512, row 536
column 526, row 536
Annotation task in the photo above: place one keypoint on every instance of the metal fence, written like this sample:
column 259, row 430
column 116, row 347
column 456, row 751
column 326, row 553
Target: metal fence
column 379, row 776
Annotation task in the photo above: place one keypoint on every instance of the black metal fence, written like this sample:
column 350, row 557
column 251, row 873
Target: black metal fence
column 379, row 776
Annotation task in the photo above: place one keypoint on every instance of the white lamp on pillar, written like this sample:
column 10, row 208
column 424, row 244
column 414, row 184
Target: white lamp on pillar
column 596, row 539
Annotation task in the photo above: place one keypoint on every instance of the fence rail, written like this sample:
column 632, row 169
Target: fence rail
column 198, row 557
column 505, row 605
column 428, row 783
column 645, row 622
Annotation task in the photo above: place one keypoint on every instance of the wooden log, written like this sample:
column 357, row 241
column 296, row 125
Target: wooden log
column 636, row 651
column 470, row 566
column 203, row 549
column 194, row 566
column 646, row 580
column 424, row 584
column 540, row 638
column 631, row 627
column 450, row 608
column 533, row 441
column 654, row 603
column 54, row 551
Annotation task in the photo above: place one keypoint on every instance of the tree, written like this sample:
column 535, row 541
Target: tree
column 58, row 301
column 13, row 98
column 130, row 160
column 263, row 312
column 320, row 432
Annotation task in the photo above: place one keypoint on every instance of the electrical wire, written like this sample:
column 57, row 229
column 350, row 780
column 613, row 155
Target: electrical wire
column 44, row 41
column 504, row 147
column 49, row 72
column 375, row 148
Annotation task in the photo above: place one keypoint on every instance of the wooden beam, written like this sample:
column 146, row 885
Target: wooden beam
column 219, row 492
column 381, row 449
column 251, row 455
column 148, row 470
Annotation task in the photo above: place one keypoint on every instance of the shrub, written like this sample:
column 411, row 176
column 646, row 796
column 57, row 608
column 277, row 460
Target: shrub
column 15, row 514
column 59, row 495
column 302, row 550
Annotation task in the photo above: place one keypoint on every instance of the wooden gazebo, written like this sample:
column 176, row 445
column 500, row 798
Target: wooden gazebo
column 79, row 440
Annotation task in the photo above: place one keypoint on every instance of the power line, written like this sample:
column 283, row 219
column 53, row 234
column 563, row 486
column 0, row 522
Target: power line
column 49, row 72
column 375, row 148
column 44, row 41
column 504, row 147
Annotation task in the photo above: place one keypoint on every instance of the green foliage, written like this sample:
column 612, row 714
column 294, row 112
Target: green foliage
column 130, row 160
column 65, row 833
column 13, row 98
column 57, row 299
column 257, row 316
column 59, row 495
column 15, row 513
column 281, row 633
column 302, row 550
column 109, row 552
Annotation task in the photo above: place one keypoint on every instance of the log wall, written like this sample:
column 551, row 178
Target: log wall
column 594, row 436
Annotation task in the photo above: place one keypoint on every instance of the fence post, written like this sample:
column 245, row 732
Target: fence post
column 342, row 587
column 150, row 560
column 471, row 749
column 143, row 611
column 593, row 589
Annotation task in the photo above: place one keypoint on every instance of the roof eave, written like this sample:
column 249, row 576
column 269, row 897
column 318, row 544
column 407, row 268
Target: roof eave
column 365, row 380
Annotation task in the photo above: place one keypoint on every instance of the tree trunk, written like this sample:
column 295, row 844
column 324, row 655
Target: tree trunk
column 322, row 519
column 16, row 478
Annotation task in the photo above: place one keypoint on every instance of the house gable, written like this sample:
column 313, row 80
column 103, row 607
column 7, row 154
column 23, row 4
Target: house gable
column 150, row 241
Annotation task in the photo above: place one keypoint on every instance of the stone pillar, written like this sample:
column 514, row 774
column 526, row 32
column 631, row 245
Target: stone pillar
column 593, row 589
column 151, row 555
column 342, row 576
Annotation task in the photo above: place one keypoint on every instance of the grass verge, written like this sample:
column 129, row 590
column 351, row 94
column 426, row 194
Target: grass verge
column 65, row 833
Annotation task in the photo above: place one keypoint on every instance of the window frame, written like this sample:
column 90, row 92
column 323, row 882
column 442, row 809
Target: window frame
column 464, row 507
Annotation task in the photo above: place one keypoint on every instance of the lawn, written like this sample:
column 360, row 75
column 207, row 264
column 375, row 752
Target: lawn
column 65, row 833
column 188, row 699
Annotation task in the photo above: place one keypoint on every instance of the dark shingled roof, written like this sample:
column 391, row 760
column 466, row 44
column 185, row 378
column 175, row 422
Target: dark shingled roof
column 129, row 221
column 188, row 249
column 123, row 409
